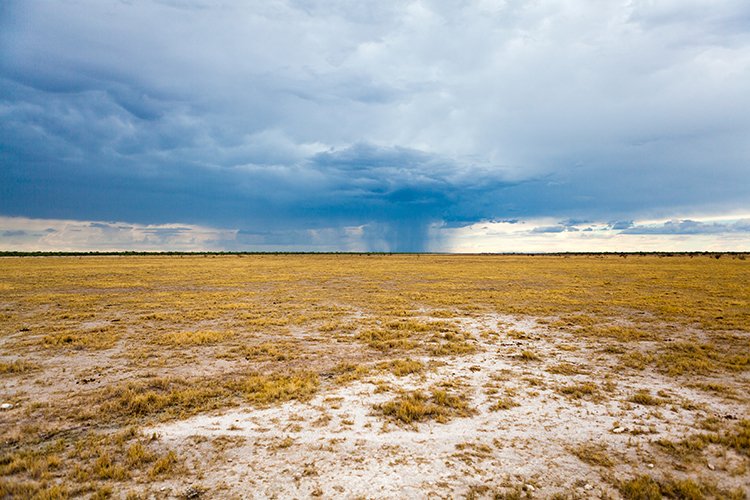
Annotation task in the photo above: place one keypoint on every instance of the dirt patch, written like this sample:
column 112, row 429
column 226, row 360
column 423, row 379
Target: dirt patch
column 338, row 445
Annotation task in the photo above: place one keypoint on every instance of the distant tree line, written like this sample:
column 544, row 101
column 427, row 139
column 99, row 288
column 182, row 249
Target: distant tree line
column 716, row 255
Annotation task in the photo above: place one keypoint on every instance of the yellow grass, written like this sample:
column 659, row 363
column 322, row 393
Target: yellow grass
column 113, row 342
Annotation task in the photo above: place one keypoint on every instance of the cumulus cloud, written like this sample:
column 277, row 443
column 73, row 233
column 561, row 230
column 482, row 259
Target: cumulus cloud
column 295, row 116
column 537, row 235
column 73, row 235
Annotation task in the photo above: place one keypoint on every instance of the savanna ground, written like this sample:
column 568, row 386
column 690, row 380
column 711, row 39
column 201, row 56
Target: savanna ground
column 375, row 376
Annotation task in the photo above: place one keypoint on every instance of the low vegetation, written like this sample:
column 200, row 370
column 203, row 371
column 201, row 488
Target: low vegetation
column 594, row 454
column 416, row 406
column 95, row 349
column 647, row 488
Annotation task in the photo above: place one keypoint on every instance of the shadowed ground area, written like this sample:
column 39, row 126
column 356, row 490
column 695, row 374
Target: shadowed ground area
column 375, row 376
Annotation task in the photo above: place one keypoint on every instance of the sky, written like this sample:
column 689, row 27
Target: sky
column 478, row 126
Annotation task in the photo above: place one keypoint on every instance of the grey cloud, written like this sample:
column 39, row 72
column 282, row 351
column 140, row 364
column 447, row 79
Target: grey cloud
column 390, row 116
column 13, row 233
column 549, row 229
column 623, row 224
column 691, row 227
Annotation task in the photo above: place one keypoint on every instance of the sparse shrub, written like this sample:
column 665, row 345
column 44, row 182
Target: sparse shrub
column 105, row 468
column 504, row 403
column 416, row 406
column 17, row 366
column 565, row 369
column 618, row 332
column 527, row 355
column 138, row 455
column 579, row 390
column 163, row 465
column 644, row 397
column 640, row 488
column 161, row 396
column 687, row 358
column 593, row 454
column 98, row 338
column 276, row 388
column 385, row 339
column 647, row 488
column 348, row 372
column 276, row 351
column 636, row 360
column 193, row 338
column 401, row 367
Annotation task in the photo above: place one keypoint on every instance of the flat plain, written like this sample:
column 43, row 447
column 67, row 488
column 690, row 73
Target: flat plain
column 375, row 376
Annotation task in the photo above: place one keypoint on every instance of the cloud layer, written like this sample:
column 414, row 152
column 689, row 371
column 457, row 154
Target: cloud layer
column 533, row 235
column 282, row 118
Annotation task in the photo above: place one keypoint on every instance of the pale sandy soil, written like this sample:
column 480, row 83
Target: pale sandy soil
column 337, row 445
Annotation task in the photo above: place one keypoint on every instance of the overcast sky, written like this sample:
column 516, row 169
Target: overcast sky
column 383, row 125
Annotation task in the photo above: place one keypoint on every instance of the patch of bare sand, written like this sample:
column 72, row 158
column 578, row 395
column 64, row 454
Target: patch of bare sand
column 337, row 445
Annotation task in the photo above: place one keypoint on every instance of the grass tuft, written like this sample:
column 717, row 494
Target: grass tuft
column 593, row 454
column 579, row 390
column 402, row 367
column 417, row 406
column 277, row 388
column 17, row 366
column 644, row 397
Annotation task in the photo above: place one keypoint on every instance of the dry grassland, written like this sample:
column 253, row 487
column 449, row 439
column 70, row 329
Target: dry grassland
column 375, row 376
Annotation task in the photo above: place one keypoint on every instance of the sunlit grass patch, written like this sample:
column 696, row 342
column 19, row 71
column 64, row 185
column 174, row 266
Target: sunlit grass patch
column 565, row 368
column 451, row 341
column 138, row 455
column 470, row 453
column 694, row 358
column 647, row 488
column 417, row 406
column 164, row 465
column 593, row 454
column 644, row 397
column 33, row 489
column 503, row 403
column 690, row 447
column 279, row 350
column 388, row 339
column 163, row 397
column 80, row 463
column 618, row 332
column 193, row 338
column 580, row 390
column 103, row 337
column 260, row 320
column 636, row 360
column 17, row 366
column 348, row 372
column 105, row 468
column 575, row 320
column 715, row 388
column 277, row 388
column 691, row 358
column 529, row 355
column 38, row 464
column 402, row 367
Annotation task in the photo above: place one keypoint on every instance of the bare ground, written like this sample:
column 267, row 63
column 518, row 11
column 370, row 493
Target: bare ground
column 339, row 445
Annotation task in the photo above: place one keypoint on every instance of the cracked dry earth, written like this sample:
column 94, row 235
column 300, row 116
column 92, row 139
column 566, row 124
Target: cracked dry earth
column 557, row 435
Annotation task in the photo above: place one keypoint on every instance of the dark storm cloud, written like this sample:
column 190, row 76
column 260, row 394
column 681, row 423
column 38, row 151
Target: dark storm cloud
column 285, row 117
